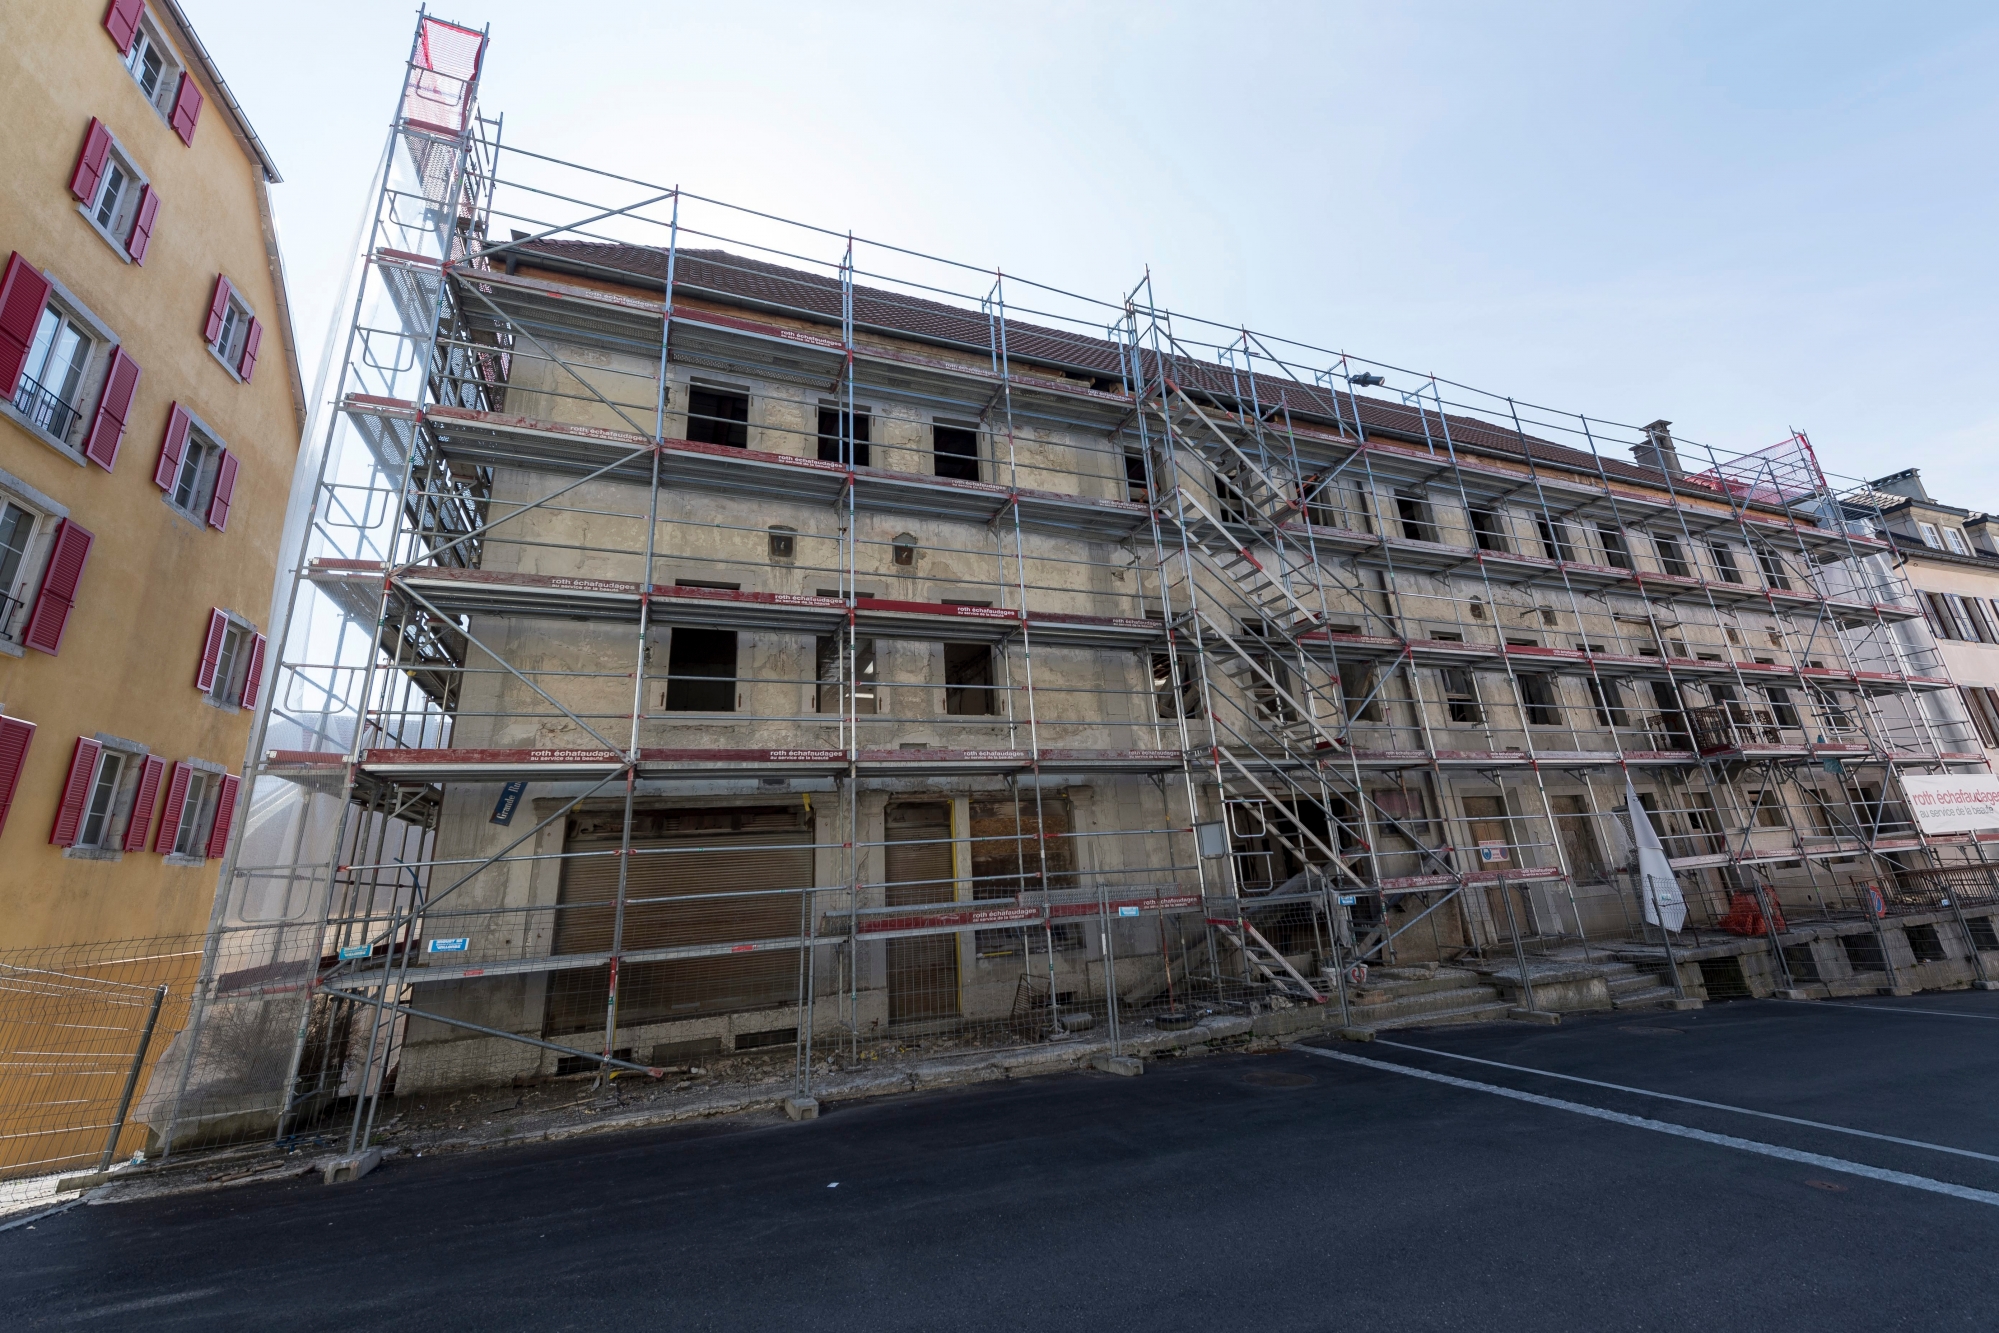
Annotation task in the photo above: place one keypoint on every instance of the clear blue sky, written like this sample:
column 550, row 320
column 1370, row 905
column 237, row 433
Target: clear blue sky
column 1743, row 218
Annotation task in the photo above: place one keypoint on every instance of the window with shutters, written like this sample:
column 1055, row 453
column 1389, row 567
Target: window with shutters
column 114, row 194
column 233, row 331
column 193, row 814
column 21, row 527
column 196, row 471
column 154, row 66
column 56, row 353
column 106, row 793
column 232, row 661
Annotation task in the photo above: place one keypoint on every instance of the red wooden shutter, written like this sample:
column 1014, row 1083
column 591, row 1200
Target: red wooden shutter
column 173, row 448
column 218, row 307
column 142, row 803
column 251, row 340
column 59, row 583
column 255, row 677
column 225, row 491
column 142, row 225
column 15, row 738
column 187, row 109
column 75, row 791
column 163, row 841
column 90, row 162
column 225, row 815
column 24, row 293
column 113, row 406
column 122, row 22
column 211, row 651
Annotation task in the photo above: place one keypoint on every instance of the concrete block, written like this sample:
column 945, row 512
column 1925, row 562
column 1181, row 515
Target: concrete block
column 1688, row 1003
column 1128, row 1066
column 802, row 1108
column 1541, row 1016
column 1794, row 994
column 1985, row 985
column 1897, row 990
column 349, row 1166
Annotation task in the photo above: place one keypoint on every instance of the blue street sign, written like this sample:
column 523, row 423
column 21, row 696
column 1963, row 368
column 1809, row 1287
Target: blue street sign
column 1127, row 911
column 459, row 945
column 510, row 797
column 354, row 951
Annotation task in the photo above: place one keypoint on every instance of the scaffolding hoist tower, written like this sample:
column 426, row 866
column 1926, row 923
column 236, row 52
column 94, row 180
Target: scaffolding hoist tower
column 717, row 634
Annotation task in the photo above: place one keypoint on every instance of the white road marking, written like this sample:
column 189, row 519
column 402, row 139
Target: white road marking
column 1694, row 1101
column 1819, row 1160
column 1892, row 1009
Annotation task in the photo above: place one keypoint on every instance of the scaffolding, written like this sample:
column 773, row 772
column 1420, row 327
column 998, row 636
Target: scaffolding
column 716, row 635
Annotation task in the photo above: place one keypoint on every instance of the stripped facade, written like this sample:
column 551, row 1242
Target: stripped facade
column 702, row 648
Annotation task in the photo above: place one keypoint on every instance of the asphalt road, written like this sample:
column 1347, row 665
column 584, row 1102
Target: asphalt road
column 1273, row 1192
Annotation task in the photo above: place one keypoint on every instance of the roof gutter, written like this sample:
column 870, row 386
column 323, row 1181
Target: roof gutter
column 237, row 119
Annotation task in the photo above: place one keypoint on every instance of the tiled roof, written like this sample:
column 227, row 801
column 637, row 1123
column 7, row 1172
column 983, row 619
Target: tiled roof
column 724, row 276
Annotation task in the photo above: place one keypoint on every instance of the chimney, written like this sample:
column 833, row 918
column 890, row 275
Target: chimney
column 1907, row 483
column 1658, row 451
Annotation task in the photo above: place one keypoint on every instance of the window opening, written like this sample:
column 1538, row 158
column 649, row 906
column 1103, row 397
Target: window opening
column 836, row 428
column 1489, row 530
column 1461, row 695
column 1724, row 562
column 1772, row 565
column 968, row 679
column 832, row 674
column 1673, row 557
column 1615, row 552
column 717, row 417
column 955, row 453
column 1544, row 708
column 783, row 542
column 700, row 671
column 1556, row 543
column 1418, row 523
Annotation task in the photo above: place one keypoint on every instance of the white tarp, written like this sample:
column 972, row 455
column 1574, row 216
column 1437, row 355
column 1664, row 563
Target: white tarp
column 1657, row 888
column 1953, row 802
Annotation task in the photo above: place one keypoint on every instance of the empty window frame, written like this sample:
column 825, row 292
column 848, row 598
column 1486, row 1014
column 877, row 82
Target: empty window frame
column 1672, row 556
column 1540, row 699
column 1461, row 696
column 1419, row 523
column 1135, row 488
column 1616, row 551
column 700, row 671
column 843, row 437
column 50, row 392
column 718, row 416
column 1167, row 701
column 1769, row 806
column 1556, row 542
column 835, row 668
column 1782, row 709
column 1489, row 529
column 969, row 680
column 1607, row 699
column 1725, row 567
column 1772, row 565
column 1359, row 693
column 954, row 452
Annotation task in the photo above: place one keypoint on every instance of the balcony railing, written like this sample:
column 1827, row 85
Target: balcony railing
column 45, row 409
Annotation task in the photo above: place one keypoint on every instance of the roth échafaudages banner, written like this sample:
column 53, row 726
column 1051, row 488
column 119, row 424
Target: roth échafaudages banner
column 1953, row 802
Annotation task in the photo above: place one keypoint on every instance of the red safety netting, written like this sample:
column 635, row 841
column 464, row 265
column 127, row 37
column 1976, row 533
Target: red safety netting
column 1782, row 474
column 443, row 75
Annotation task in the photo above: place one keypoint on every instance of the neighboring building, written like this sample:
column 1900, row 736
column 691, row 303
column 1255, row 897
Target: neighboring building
column 1951, row 556
column 151, row 420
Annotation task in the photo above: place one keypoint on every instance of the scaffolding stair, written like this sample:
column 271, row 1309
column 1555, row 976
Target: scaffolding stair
column 1269, row 965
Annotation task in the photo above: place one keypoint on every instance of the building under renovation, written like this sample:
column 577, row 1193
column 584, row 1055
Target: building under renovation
column 717, row 634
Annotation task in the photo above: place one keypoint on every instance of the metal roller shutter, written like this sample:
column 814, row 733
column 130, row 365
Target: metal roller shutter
column 677, row 853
